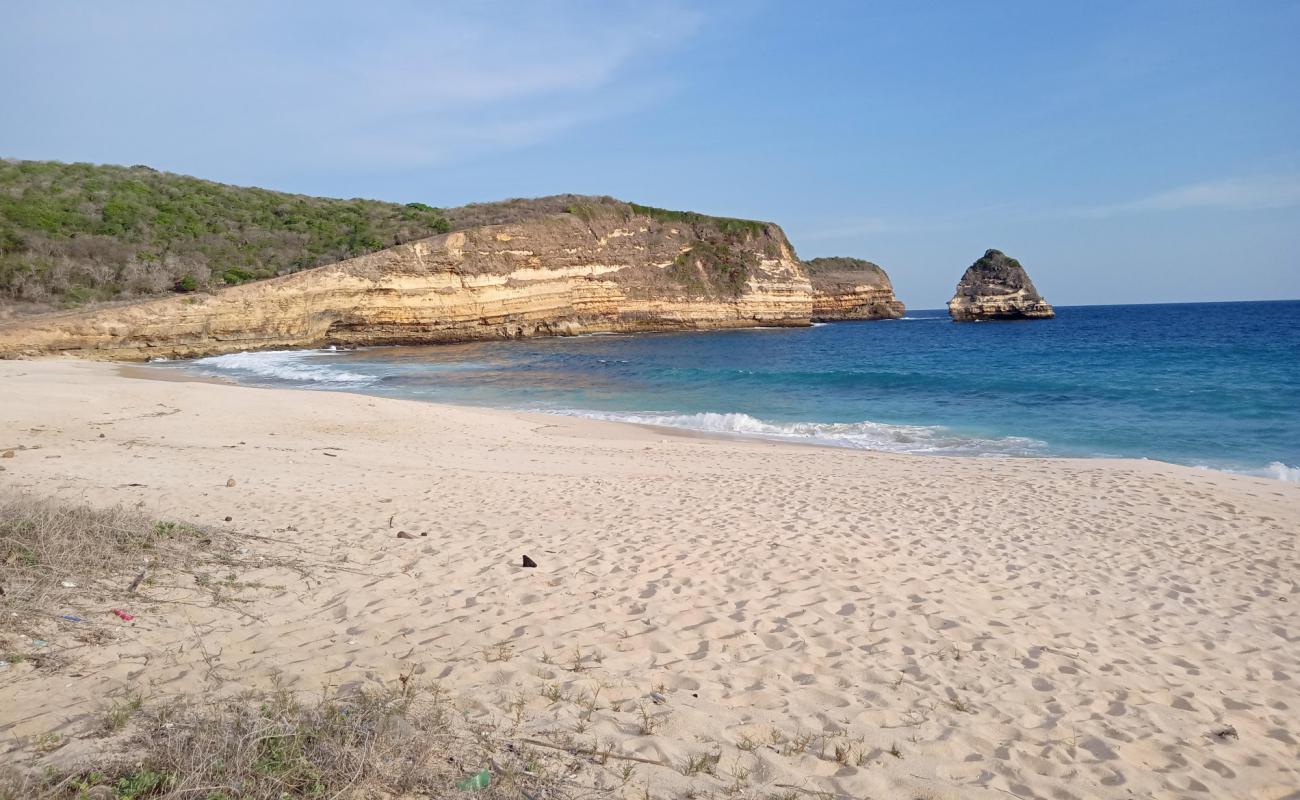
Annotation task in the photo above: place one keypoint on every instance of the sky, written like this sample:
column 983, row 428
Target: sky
column 1125, row 152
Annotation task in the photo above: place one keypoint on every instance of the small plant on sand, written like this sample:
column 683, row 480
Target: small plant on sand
column 627, row 773
column 739, row 778
column 588, row 703
column 121, row 712
column 799, row 745
column 47, row 742
column 649, row 722
column 895, row 751
column 577, row 665
column 503, row 651
column 701, row 764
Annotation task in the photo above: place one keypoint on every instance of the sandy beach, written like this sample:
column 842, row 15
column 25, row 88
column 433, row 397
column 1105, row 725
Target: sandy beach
column 820, row 620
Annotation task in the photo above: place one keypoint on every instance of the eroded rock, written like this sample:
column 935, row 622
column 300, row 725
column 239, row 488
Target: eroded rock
column 997, row 287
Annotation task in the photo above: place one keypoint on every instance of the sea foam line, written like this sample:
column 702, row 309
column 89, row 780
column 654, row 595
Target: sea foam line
column 281, row 365
column 865, row 435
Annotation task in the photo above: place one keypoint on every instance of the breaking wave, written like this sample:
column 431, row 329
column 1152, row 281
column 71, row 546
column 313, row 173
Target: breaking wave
column 866, row 435
column 280, row 365
column 1275, row 470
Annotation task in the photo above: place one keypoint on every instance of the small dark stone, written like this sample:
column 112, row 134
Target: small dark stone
column 528, row 562
column 101, row 436
column 228, row 519
column 404, row 535
column 424, row 533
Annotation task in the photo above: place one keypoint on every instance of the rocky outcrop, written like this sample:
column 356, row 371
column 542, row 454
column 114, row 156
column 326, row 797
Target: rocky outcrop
column 997, row 287
column 598, row 266
column 850, row 288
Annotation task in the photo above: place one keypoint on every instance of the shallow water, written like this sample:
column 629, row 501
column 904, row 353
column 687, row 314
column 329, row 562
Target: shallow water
column 1210, row 384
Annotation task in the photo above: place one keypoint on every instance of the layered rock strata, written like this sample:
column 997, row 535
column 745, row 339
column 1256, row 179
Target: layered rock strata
column 850, row 288
column 600, row 266
column 997, row 287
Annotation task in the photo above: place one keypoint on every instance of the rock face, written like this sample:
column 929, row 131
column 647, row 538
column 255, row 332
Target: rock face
column 997, row 287
column 599, row 266
column 850, row 288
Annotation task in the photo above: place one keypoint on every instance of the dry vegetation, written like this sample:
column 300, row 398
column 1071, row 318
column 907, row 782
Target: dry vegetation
column 402, row 743
column 61, row 560
column 63, row 566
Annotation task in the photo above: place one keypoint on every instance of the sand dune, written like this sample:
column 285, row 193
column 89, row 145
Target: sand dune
column 842, row 622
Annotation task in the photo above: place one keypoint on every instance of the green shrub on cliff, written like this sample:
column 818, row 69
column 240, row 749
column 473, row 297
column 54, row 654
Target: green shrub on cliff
column 714, row 269
column 728, row 226
column 72, row 233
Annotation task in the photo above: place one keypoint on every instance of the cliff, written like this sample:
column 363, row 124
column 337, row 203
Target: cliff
column 997, row 287
column 850, row 288
column 598, row 266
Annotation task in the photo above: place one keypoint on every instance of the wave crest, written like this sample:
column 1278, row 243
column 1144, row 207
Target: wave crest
column 865, row 435
column 280, row 365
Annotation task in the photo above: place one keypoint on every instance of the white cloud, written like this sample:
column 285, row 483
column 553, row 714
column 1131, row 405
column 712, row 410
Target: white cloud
column 358, row 86
column 1232, row 193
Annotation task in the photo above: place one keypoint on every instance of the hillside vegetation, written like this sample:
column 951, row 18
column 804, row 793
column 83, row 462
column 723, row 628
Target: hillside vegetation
column 73, row 233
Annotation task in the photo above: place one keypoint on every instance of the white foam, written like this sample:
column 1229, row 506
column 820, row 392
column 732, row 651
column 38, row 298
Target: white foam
column 281, row 365
column 1277, row 471
column 866, row 435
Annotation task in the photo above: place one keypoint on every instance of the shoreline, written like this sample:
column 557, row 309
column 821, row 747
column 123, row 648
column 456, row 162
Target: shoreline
column 144, row 372
column 949, row 625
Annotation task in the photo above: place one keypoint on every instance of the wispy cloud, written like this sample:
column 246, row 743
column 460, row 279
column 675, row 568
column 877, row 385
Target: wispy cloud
column 389, row 86
column 1233, row 193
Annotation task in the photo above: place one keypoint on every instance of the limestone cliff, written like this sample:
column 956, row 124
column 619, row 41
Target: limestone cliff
column 600, row 265
column 850, row 288
column 997, row 287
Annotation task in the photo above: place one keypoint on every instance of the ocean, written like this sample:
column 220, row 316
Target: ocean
column 1214, row 385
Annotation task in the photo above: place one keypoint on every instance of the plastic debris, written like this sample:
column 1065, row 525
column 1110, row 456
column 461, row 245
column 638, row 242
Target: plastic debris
column 69, row 585
column 39, row 642
column 528, row 562
column 473, row 783
column 72, row 618
column 125, row 616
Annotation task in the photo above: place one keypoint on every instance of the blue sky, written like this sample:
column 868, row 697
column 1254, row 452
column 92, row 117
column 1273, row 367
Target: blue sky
column 1124, row 151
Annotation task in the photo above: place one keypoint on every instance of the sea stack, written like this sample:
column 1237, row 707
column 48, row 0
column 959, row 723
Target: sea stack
column 997, row 287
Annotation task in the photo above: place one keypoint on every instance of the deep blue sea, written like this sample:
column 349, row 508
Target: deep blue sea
column 1213, row 384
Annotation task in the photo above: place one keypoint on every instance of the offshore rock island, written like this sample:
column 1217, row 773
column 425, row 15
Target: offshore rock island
column 561, row 265
column 997, row 287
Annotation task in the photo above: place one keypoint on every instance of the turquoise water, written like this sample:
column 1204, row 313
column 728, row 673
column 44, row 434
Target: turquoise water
column 1211, row 384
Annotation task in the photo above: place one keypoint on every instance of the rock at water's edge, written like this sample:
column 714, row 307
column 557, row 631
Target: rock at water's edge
column 850, row 288
column 997, row 287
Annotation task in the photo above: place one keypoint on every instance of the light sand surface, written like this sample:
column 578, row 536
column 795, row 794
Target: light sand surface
column 1026, row 628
